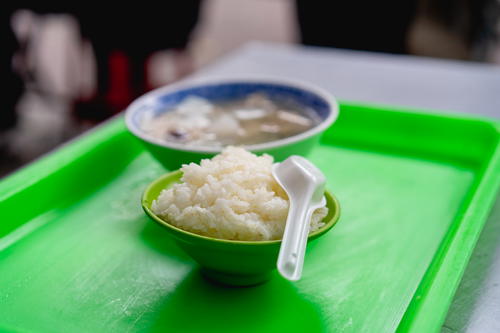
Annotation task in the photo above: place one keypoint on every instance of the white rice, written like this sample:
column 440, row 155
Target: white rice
column 231, row 196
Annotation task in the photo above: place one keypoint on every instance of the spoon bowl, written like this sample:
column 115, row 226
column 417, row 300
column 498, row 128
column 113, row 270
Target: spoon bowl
column 305, row 187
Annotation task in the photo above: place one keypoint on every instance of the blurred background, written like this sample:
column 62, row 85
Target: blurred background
column 69, row 67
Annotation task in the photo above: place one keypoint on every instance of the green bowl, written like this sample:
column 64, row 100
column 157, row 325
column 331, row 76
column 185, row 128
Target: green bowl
column 238, row 263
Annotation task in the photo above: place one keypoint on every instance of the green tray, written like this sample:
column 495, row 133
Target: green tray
column 77, row 253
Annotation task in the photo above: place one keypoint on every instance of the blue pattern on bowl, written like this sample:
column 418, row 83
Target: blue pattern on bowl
column 232, row 91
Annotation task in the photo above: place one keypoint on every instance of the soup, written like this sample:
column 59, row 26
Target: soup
column 252, row 120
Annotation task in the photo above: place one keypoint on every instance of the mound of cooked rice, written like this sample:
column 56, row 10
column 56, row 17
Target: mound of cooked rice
column 231, row 196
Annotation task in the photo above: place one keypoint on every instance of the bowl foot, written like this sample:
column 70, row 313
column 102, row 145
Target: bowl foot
column 236, row 280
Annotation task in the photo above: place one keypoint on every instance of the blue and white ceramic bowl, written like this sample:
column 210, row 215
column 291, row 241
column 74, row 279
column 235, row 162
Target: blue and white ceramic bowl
column 173, row 155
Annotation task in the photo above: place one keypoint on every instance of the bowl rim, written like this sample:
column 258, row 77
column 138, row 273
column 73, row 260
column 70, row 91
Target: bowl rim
column 153, row 95
column 332, row 222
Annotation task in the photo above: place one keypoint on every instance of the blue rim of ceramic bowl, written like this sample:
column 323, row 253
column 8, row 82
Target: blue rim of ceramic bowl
column 150, row 100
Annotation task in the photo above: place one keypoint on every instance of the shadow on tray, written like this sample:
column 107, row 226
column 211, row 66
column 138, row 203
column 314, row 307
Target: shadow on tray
column 198, row 305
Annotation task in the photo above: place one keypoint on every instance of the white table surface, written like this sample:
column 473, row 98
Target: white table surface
column 406, row 81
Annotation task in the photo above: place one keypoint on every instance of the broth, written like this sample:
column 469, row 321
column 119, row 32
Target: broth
column 252, row 120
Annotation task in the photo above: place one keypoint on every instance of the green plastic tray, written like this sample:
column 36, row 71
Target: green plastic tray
column 77, row 253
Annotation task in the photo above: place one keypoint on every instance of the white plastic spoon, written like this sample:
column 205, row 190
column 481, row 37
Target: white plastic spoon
column 305, row 186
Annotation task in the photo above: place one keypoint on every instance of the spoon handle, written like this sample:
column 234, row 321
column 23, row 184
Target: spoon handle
column 293, row 246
